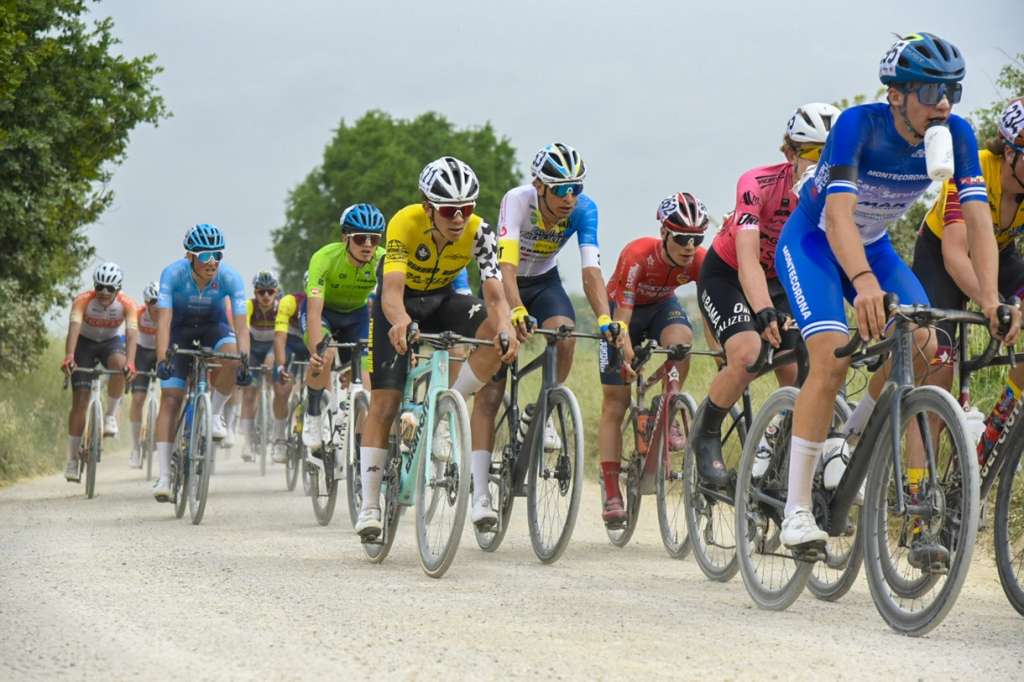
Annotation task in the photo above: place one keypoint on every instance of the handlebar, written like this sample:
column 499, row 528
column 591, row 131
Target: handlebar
column 201, row 352
column 92, row 371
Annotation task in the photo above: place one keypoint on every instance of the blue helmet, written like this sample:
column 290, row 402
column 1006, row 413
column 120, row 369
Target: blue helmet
column 203, row 237
column 362, row 218
column 922, row 58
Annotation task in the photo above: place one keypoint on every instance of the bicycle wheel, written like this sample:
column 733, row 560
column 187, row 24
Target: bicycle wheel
column 353, row 472
column 93, row 443
column 323, row 485
column 149, row 435
column 293, row 444
column 263, row 428
column 390, row 509
column 946, row 514
column 675, row 535
column 631, row 464
column 1009, row 526
column 710, row 516
column 555, row 478
column 500, row 484
column 200, row 458
column 774, row 578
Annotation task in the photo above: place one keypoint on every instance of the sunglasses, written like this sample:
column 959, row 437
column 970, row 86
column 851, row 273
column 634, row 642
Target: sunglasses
column 810, row 153
column 688, row 239
column 266, row 292
column 362, row 239
column 207, row 256
column 562, row 191
column 930, row 94
column 109, row 288
column 449, row 211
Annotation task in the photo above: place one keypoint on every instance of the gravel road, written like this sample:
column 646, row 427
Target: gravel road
column 116, row 588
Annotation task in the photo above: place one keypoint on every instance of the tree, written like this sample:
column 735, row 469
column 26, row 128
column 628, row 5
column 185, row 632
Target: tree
column 378, row 159
column 1011, row 84
column 67, row 105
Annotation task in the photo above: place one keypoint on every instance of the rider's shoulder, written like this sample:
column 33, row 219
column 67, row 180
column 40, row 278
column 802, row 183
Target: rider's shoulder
column 409, row 217
column 585, row 212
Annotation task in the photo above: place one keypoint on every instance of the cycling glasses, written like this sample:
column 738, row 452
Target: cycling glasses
column 266, row 292
column 561, row 191
column 810, row 152
column 449, row 211
column 693, row 240
column 930, row 94
column 207, row 256
column 109, row 288
column 361, row 238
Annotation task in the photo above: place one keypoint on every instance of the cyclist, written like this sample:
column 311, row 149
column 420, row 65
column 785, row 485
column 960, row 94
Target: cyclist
column 93, row 338
column 941, row 258
column 642, row 296
column 194, row 291
column 427, row 245
column 145, row 361
column 341, row 277
column 739, row 292
column 835, row 245
column 261, row 313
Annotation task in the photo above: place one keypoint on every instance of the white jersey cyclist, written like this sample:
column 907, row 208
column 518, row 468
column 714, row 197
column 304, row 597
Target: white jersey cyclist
column 527, row 242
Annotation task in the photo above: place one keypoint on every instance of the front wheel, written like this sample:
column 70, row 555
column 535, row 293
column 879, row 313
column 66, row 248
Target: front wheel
column 200, row 459
column 1009, row 525
column 672, row 472
column 323, row 484
column 500, row 483
column 353, row 471
column 94, row 443
column 555, row 477
column 149, row 435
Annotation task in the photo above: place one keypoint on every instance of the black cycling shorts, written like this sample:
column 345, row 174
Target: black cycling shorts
column 145, row 361
column 647, row 322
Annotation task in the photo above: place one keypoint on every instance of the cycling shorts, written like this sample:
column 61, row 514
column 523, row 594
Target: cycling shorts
column 213, row 334
column 295, row 349
column 258, row 351
column 647, row 322
column 89, row 353
column 545, row 297
column 145, row 361
column 341, row 327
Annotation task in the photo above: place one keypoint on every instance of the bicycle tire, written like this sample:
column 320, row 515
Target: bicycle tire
column 567, row 471
column 323, row 504
column 1008, row 528
column 675, row 536
column 353, row 469
column 631, row 464
column 94, row 443
column 390, row 508
column 201, row 456
column 293, row 446
column 500, row 485
column 149, row 439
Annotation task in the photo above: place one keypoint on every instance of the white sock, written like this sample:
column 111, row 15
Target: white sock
column 245, row 426
column 279, row 427
column 73, row 444
column 859, row 419
column 467, row 383
column 136, row 434
column 112, row 404
column 217, row 402
column 230, row 410
column 163, row 452
column 371, row 471
column 481, row 467
column 803, row 456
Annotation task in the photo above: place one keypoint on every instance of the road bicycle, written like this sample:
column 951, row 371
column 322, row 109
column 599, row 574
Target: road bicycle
column 147, row 430
column 293, row 435
column 90, row 448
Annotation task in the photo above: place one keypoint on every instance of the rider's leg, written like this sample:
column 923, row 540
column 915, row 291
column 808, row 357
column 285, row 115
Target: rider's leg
column 566, row 348
column 115, row 383
column 170, row 405
column 615, row 401
column 485, row 406
column 383, row 408
column 76, row 420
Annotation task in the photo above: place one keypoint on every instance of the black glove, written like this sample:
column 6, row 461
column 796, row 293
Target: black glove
column 164, row 370
column 243, row 377
column 765, row 317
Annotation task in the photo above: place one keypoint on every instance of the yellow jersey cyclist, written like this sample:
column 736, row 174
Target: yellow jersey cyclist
column 427, row 245
column 341, row 277
column 94, row 337
column 288, row 342
column 145, row 361
column 942, row 263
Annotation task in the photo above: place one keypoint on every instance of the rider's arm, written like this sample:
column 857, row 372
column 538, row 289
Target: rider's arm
column 956, row 261
column 981, row 245
column 240, row 310
column 131, row 328
column 242, row 332
column 163, row 332
column 844, row 237
column 314, row 322
column 513, row 208
column 595, row 290
column 285, row 310
column 74, row 325
column 751, row 274
column 508, row 279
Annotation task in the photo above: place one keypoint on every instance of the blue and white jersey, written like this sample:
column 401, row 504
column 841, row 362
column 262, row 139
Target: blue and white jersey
column 532, row 246
column 190, row 305
column 864, row 155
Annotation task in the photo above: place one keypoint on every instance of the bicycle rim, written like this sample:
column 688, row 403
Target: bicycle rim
column 149, row 442
column 499, row 486
column 1009, row 526
column 353, row 470
column 672, row 463
column 200, row 459
column 323, row 486
column 630, row 466
column 95, row 442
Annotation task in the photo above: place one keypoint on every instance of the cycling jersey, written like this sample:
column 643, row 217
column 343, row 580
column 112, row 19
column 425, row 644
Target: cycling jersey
column 147, row 328
column 289, row 310
column 411, row 250
column 532, row 246
column 342, row 286
column 764, row 200
column 946, row 208
column 261, row 324
column 99, row 322
column 644, row 275
column 192, row 306
column 461, row 283
column 865, row 156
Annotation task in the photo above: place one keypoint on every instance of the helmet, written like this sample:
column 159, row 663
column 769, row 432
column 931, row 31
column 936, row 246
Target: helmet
column 558, row 164
column 151, row 292
column 108, row 274
column 683, row 213
column 264, row 279
column 810, row 123
column 362, row 218
column 923, row 58
column 203, row 237
column 1011, row 122
column 449, row 181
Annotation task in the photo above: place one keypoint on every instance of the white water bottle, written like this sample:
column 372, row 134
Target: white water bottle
column 938, row 152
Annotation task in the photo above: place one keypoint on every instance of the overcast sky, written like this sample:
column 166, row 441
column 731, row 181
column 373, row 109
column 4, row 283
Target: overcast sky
column 658, row 96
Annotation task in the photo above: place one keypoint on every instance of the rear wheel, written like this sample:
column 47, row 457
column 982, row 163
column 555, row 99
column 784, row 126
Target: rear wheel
column 500, row 482
column 631, row 464
column 353, row 470
column 149, row 434
column 390, row 510
column 201, row 456
column 675, row 534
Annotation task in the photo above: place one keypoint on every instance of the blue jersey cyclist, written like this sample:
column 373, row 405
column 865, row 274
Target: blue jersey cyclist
column 191, row 307
column 835, row 245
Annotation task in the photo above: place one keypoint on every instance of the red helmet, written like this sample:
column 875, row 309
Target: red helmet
column 683, row 213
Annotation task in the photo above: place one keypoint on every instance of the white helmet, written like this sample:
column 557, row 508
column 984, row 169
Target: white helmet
column 810, row 123
column 449, row 181
column 558, row 164
column 108, row 274
column 151, row 292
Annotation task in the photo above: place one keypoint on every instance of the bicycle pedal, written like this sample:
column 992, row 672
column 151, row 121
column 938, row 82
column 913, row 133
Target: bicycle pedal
column 371, row 537
column 487, row 525
column 811, row 552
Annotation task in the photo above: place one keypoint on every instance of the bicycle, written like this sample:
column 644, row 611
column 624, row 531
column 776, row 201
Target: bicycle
column 416, row 472
column 293, row 436
column 944, row 509
column 91, row 448
column 147, row 432
column 551, row 479
column 192, row 459
column 262, row 423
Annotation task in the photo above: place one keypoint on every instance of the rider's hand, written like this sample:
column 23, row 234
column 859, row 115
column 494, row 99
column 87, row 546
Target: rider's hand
column 871, row 313
column 523, row 322
column 628, row 373
column 509, row 334
column 68, row 365
column 992, row 313
column 768, row 322
column 281, row 374
column 243, row 377
column 164, row 370
column 130, row 371
column 397, row 333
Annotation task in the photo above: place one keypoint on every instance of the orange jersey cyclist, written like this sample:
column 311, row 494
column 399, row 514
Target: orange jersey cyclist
column 145, row 361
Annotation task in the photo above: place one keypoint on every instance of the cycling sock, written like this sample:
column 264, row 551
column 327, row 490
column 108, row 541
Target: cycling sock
column 74, row 442
column 163, row 452
column 481, row 465
column 230, row 410
column 371, row 470
column 610, row 475
column 914, row 477
column 467, row 383
column 313, row 398
column 854, row 426
column 245, row 426
column 112, row 404
column 136, row 433
column 711, row 423
column 279, row 427
column 217, row 402
column 803, row 456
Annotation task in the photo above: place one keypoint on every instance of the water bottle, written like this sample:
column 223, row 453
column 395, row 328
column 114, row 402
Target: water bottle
column 524, row 422
column 994, row 424
column 938, row 152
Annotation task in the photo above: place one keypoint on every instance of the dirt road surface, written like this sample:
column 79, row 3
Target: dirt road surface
column 116, row 588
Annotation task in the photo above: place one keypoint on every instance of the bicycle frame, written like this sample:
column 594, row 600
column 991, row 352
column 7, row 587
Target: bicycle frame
column 339, row 396
column 667, row 374
column 431, row 378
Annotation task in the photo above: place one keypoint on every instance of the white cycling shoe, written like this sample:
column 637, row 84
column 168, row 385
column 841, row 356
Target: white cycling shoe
column 71, row 472
column 551, row 440
column 218, row 427
column 162, row 490
column 442, row 449
column 312, row 431
column 483, row 516
column 280, row 452
column 368, row 524
column 800, row 529
column 135, row 459
column 110, row 426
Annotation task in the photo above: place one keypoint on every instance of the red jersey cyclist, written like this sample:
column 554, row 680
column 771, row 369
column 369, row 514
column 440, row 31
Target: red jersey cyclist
column 642, row 296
